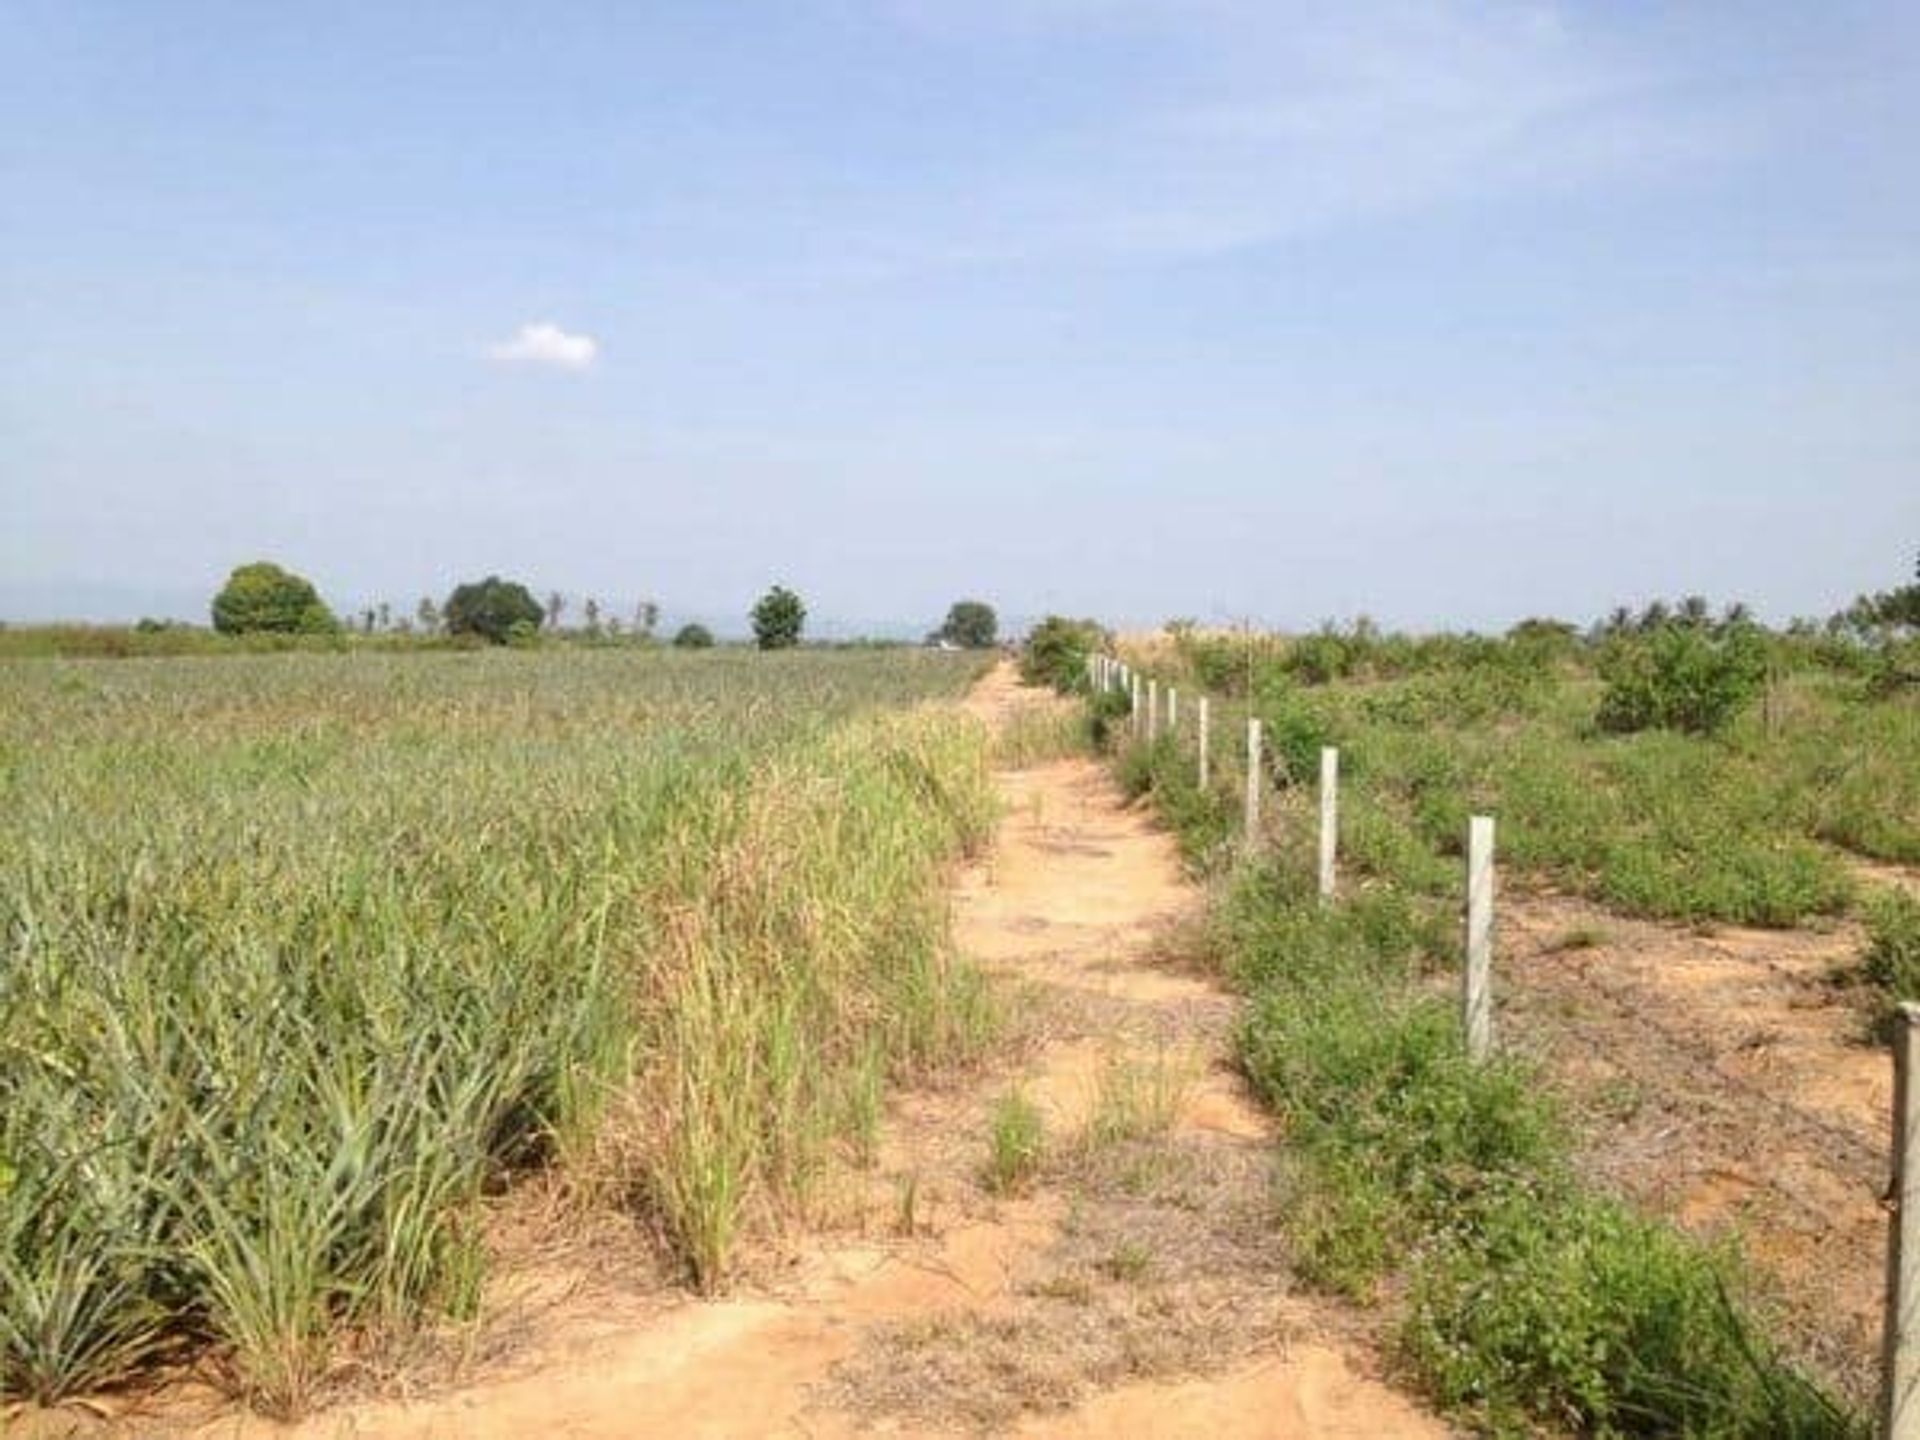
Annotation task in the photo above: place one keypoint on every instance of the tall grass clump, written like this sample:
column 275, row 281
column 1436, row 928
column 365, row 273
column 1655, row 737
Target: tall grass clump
column 306, row 953
column 807, row 959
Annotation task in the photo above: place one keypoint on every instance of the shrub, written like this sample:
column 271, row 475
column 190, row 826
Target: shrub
column 693, row 637
column 778, row 619
column 492, row 608
column 1294, row 732
column 1222, row 664
column 1570, row 1310
column 1323, row 656
column 971, row 623
column 1107, row 712
column 1680, row 678
column 1057, row 651
column 1890, row 961
column 262, row 597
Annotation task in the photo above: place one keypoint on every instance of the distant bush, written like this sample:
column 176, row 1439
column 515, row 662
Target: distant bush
column 1545, row 641
column 778, row 619
column 693, row 637
column 1057, row 651
column 1325, row 655
column 1680, row 678
column 263, row 598
column 494, row 609
column 971, row 623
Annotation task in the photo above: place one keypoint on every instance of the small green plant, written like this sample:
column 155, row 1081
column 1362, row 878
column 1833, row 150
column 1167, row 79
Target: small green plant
column 1016, row 1142
column 1137, row 1099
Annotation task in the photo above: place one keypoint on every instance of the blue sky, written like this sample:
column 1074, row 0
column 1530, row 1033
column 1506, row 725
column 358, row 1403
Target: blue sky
column 1444, row 313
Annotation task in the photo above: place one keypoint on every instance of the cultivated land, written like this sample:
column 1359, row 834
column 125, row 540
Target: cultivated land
column 402, row 1042
column 310, row 957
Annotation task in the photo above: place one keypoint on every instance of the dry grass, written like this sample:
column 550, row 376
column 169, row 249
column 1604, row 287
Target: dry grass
column 1167, row 1265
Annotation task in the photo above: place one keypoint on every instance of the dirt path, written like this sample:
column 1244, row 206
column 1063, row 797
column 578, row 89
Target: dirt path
column 1723, row 1081
column 1132, row 1285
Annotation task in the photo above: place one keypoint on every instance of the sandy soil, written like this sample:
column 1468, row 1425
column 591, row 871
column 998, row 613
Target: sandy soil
column 1723, row 1080
column 1135, row 1286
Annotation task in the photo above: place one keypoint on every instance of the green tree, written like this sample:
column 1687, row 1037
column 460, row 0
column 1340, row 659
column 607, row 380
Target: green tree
column 778, row 619
column 1057, row 650
column 492, row 608
column 693, row 637
column 971, row 623
column 263, row 597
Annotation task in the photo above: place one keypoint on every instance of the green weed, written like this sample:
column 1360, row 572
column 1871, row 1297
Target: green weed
column 1016, row 1144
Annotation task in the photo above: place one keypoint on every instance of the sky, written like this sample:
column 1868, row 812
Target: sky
column 1447, row 314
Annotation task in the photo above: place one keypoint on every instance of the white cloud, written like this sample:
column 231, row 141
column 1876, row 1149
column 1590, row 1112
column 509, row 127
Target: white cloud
column 544, row 343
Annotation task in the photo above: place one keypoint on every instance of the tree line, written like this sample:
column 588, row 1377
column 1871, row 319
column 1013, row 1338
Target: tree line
column 266, row 598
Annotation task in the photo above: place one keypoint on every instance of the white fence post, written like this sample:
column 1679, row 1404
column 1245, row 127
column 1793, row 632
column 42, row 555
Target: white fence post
column 1476, row 998
column 1133, row 703
column 1329, row 818
column 1173, row 710
column 1203, row 742
column 1900, row 1358
column 1153, row 710
column 1253, row 783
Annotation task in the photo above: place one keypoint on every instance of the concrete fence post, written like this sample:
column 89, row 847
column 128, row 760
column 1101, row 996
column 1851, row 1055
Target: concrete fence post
column 1153, row 710
column 1329, row 818
column 1900, row 1359
column 1476, row 996
column 1253, row 783
column 1203, row 742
